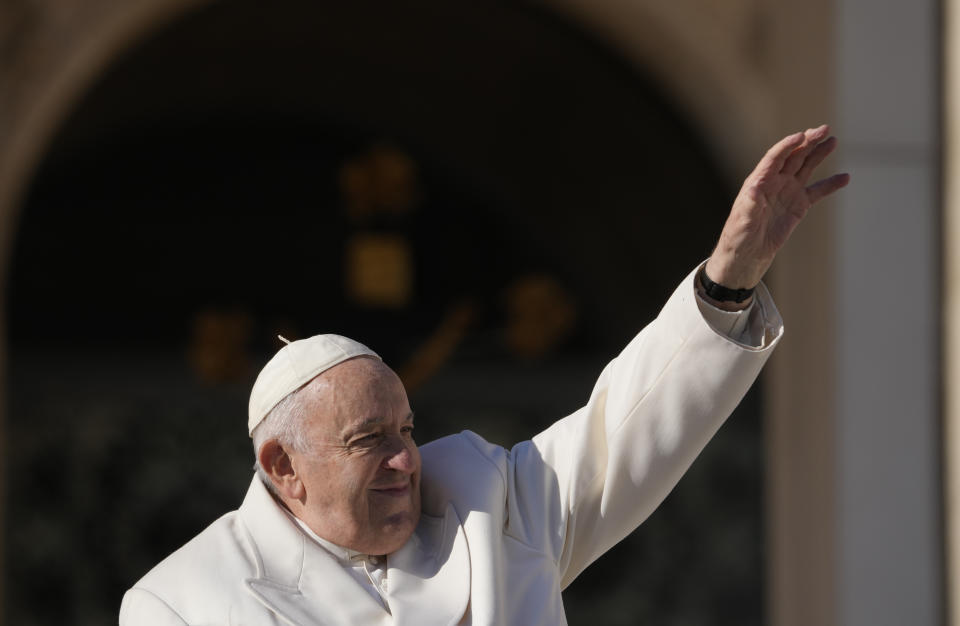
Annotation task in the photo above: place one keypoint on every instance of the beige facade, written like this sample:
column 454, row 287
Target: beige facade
column 853, row 408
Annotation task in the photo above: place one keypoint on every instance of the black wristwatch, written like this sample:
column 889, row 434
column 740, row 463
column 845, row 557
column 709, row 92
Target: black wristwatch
column 720, row 293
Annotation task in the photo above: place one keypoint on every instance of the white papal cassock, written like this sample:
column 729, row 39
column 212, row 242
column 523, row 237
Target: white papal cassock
column 502, row 531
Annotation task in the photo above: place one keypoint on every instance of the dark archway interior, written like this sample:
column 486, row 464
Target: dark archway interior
column 480, row 192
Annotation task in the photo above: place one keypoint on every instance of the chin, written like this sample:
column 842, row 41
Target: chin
column 398, row 532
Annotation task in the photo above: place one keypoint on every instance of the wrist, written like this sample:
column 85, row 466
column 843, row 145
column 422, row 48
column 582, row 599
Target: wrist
column 734, row 273
column 721, row 296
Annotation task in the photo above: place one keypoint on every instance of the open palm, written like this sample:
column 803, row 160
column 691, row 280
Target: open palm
column 774, row 198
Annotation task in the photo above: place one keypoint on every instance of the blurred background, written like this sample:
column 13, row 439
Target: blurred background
column 495, row 197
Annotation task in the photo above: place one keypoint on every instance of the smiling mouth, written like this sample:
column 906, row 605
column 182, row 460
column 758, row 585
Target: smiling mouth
column 400, row 490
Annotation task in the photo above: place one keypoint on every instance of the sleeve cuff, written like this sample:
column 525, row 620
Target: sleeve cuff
column 729, row 323
column 755, row 327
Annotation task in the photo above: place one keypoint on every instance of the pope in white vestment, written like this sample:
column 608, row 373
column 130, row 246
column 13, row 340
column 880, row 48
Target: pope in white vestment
column 461, row 531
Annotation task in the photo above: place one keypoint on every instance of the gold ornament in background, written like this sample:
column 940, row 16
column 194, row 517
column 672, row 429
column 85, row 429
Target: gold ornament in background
column 540, row 314
column 431, row 356
column 379, row 270
column 219, row 344
column 383, row 180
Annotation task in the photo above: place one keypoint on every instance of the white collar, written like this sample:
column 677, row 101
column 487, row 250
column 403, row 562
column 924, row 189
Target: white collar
column 346, row 556
column 304, row 583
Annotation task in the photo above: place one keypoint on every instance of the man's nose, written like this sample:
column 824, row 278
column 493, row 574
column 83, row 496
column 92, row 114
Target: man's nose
column 402, row 457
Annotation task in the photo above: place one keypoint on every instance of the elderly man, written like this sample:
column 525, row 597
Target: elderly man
column 349, row 522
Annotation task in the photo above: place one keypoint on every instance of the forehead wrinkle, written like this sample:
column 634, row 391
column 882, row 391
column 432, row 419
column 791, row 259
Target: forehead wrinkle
column 374, row 421
column 339, row 396
column 370, row 421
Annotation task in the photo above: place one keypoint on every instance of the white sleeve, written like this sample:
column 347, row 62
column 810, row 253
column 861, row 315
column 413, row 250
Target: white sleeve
column 142, row 608
column 586, row 482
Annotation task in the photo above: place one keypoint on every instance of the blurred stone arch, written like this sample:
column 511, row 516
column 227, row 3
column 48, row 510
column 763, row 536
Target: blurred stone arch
column 722, row 98
column 54, row 60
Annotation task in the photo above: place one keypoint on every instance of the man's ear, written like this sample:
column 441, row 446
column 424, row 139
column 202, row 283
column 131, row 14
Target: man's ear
column 276, row 461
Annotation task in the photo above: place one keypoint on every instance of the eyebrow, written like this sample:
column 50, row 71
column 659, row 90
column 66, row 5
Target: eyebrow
column 370, row 422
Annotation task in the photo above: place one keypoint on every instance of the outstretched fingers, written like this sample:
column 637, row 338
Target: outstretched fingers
column 823, row 188
column 812, row 138
column 772, row 162
column 815, row 158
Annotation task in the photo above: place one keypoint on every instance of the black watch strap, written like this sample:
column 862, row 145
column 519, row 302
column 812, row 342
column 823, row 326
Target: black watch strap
column 720, row 293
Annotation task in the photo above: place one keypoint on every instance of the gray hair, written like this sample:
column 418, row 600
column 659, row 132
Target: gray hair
column 285, row 423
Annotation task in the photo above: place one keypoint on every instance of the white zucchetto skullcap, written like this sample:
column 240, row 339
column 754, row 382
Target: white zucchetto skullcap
column 296, row 364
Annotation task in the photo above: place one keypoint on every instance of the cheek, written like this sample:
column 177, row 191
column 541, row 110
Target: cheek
column 355, row 475
column 335, row 483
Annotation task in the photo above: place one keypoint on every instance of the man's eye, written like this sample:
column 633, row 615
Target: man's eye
column 407, row 429
column 367, row 439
